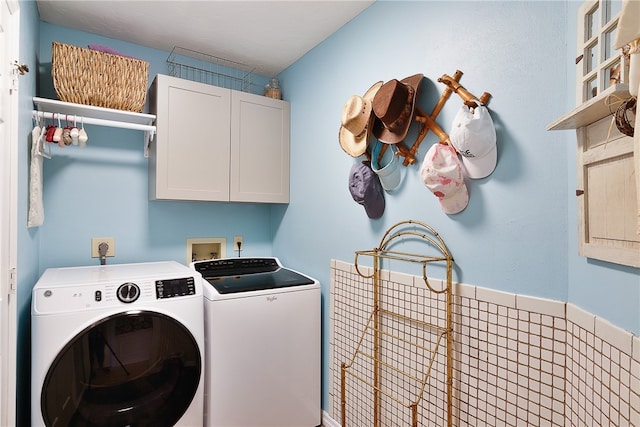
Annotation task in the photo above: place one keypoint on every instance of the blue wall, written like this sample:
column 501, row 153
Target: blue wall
column 513, row 234
column 499, row 240
column 518, row 233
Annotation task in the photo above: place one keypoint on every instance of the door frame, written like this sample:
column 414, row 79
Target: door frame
column 10, row 22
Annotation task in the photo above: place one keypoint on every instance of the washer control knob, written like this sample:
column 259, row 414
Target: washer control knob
column 128, row 292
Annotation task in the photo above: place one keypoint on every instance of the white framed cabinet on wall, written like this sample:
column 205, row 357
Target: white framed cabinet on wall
column 217, row 144
column 607, row 194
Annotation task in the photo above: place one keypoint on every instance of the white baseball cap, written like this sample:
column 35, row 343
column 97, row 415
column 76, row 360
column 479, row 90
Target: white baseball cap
column 474, row 137
column 441, row 173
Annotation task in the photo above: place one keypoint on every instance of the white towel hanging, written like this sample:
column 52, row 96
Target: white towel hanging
column 36, row 206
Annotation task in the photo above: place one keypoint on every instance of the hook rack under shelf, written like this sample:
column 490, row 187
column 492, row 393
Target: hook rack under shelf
column 100, row 116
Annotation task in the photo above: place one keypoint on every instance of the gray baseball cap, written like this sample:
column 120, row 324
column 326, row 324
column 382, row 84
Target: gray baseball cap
column 366, row 190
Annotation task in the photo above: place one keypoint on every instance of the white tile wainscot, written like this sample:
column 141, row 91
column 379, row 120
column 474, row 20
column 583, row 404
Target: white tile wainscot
column 519, row 359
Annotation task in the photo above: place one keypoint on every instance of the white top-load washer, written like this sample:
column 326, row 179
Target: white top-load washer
column 262, row 334
column 118, row 345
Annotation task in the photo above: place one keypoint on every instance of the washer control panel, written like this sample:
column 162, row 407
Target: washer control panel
column 175, row 287
column 236, row 266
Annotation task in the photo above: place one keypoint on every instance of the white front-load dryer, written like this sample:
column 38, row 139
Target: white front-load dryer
column 118, row 345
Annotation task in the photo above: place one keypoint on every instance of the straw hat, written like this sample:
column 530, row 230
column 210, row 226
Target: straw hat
column 394, row 105
column 357, row 121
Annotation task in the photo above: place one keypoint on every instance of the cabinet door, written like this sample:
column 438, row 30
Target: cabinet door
column 189, row 160
column 607, row 206
column 259, row 149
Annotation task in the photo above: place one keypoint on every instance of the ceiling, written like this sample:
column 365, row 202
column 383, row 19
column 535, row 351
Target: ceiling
column 266, row 35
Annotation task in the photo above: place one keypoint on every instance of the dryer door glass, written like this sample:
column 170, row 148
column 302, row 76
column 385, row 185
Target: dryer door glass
column 132, row 369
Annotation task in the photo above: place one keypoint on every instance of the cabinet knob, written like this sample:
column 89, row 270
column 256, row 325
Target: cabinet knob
column 579, row 192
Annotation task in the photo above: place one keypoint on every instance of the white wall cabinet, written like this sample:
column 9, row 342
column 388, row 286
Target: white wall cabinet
column 606, row 190
column 217, row 144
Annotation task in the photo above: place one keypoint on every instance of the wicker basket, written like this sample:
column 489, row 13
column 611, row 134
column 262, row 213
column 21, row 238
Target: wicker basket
column 91, row 77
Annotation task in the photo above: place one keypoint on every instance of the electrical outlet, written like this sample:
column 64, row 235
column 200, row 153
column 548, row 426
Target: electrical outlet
column 95, row 242
column 236, row 240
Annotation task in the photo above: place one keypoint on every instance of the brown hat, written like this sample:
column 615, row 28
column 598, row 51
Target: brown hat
column 356, row 122
column 394, row 105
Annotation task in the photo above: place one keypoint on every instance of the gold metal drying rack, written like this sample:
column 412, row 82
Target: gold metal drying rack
column 402, row 230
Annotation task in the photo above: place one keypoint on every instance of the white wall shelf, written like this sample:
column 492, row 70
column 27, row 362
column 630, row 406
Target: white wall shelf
column 87, row 114
column 592, row 110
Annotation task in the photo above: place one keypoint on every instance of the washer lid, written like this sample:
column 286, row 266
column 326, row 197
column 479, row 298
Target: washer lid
column 235, row 266
column 281, row 278
column 234, row 275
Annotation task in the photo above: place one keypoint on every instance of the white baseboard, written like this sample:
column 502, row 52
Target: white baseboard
column 327, row 421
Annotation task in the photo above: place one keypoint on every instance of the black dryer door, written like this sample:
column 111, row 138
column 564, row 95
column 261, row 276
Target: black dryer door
column 131, row 369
